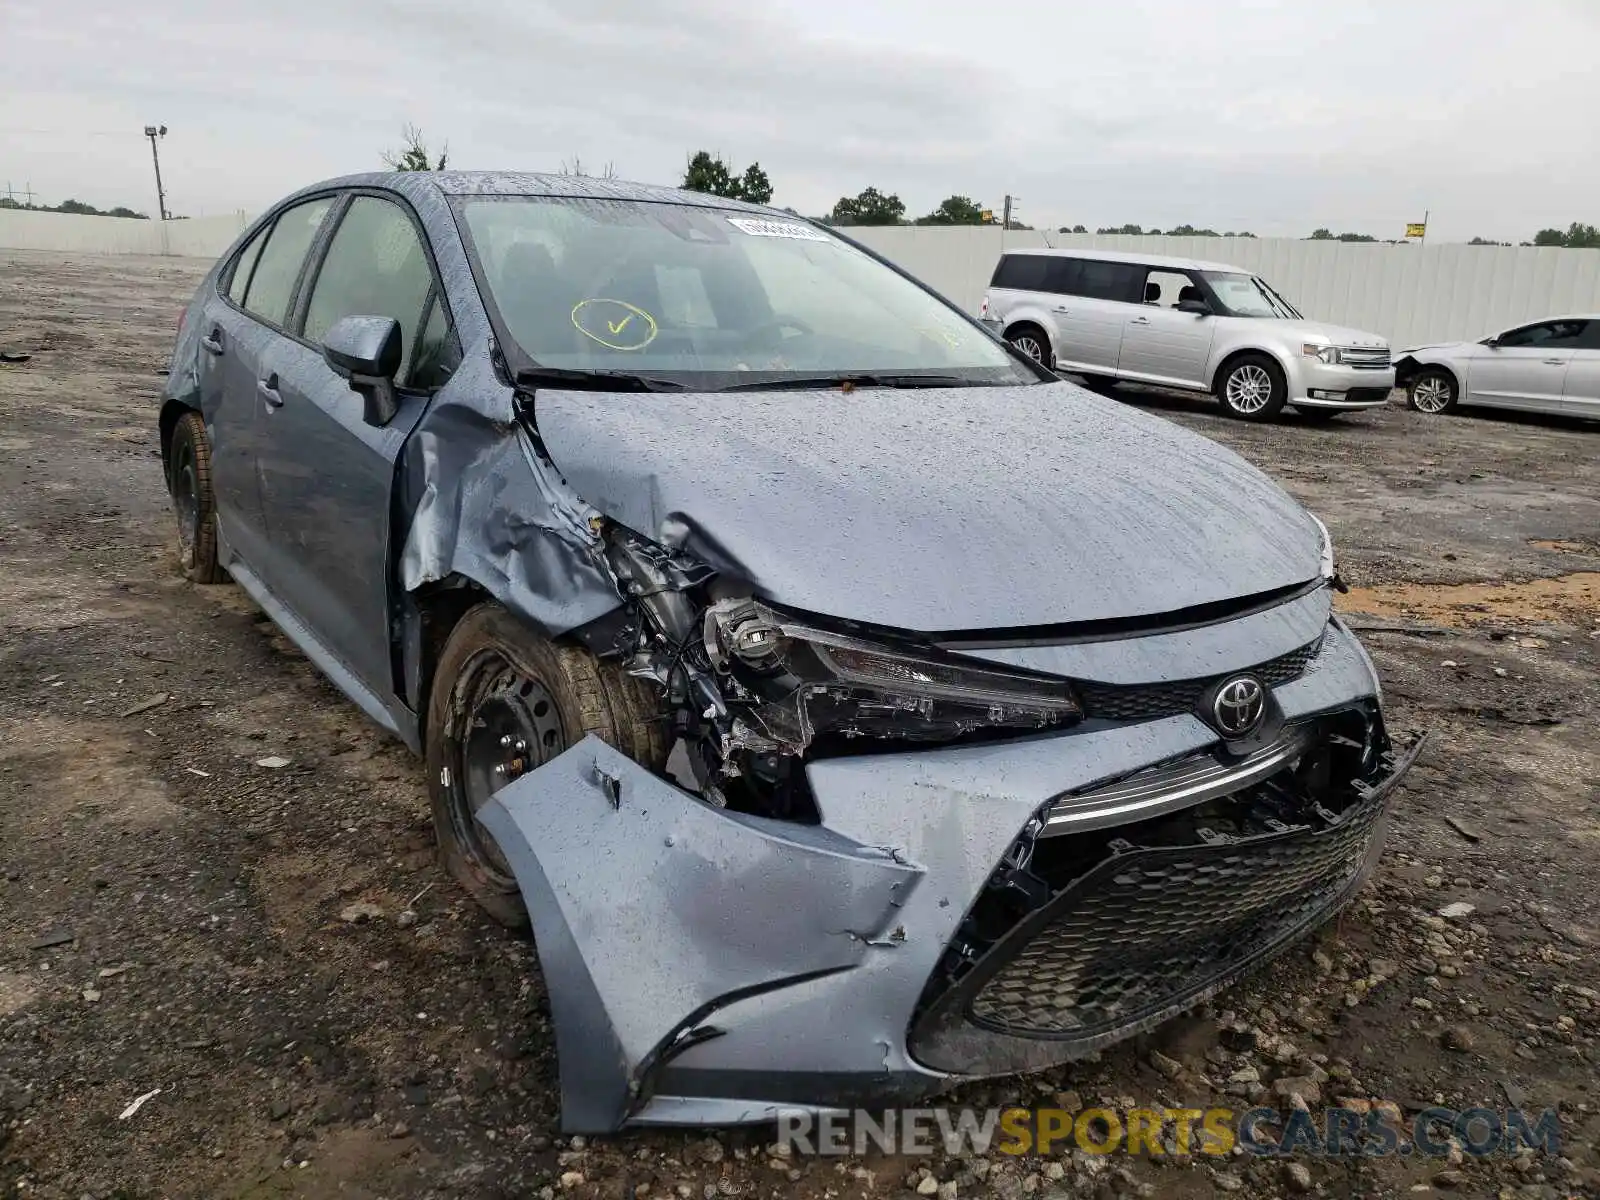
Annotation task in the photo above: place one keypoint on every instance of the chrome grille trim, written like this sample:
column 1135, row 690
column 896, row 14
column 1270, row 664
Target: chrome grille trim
column 1365, row 358
column 1162, row 789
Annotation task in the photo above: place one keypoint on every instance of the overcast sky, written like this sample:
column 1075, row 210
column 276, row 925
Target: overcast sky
column 1273, row 117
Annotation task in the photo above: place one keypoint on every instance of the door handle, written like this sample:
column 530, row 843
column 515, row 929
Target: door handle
column 267, row 389
column 1140, row 321
column 1065, row 312
column 213, row 341
column 1555, row 362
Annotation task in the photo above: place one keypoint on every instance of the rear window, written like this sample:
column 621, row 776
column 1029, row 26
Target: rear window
column 1101, row 280
column 1024, row 272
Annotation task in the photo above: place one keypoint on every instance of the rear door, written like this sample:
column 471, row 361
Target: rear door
column 1093, row 302
column 326, row 475
column 1161, row 344
column 1526, row 367
column 1580, row 394
column 241, row 329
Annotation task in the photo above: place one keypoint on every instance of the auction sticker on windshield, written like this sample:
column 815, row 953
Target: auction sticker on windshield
column 781, row 229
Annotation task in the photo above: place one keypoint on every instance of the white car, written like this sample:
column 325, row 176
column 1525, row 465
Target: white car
column 1550, row 366
column 1180, row 323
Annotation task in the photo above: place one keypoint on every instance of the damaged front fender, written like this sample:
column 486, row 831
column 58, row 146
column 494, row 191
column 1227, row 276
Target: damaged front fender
column 652, row 910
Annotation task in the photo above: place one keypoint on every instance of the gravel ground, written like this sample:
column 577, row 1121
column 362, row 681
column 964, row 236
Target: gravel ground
column 325, row 1013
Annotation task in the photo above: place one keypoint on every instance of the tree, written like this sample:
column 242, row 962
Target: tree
column 1191, row 231
column 869, row 207
column 1125, row 230
column 955, row 210
column 1322, row 235
column 1074, row 229
column 1478, row 241
column 708, row 173
column 1578, row 236
column 414, row 155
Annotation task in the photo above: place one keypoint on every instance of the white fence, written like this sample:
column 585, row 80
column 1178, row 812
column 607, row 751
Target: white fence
column 1411, row 294
column 202, row 237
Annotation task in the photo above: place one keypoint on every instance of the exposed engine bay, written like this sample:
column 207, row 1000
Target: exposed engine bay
column 751, row 689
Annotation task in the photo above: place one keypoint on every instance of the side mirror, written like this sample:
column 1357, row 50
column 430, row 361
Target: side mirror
column 1198, row 308
column 366, row 351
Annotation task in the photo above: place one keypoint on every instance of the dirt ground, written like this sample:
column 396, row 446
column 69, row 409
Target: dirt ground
column 170, row 911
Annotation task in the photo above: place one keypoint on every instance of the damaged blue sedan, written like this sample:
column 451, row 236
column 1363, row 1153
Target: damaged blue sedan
column 849, row 706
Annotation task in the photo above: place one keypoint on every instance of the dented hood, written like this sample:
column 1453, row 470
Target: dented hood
column 939, row 509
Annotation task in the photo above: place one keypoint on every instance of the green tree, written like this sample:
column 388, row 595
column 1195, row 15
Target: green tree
column 1578, row 236
column 78, row 207
column 414, row 156
column 869, row 207
column 1191, row 231
column 708, row 173
column 955, row 210
column 1074, row 229
column 1322, row 235
column 1125, row 230
column 120, row 211
column 1478, row 241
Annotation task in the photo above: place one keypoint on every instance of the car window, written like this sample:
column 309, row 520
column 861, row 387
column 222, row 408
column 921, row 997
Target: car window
column 271, row 286
column 1023, row 272
column 709, row 297
column 1101, row 280
column 436, row 356
column 1546, row 334
column 1165, row 288
column 375, row 267
column 243, row 265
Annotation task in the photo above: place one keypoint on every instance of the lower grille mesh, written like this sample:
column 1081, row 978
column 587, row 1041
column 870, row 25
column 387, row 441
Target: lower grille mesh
column 1150, row 925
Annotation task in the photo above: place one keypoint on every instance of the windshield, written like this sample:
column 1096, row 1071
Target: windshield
column 712, row 298
column 1244, row 295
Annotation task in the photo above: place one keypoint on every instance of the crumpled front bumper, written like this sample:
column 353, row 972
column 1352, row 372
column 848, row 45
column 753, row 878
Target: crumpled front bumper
column 710, row 967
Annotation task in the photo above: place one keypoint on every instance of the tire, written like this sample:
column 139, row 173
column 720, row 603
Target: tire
column 1432, row 391
column 1252, row 388
column 496, row 681
column 193, row 500
column 1031, row 341
column 1319, row 416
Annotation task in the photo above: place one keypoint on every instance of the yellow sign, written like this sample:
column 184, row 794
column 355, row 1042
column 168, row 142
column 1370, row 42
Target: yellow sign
column 1417, row 229
column 987, row 216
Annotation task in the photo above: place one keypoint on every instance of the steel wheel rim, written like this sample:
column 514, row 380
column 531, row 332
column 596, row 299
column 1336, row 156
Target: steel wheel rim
column 1029, row 345
column 1431, row 394
column 512, row 726
column 1249, row 388
column 186, row 499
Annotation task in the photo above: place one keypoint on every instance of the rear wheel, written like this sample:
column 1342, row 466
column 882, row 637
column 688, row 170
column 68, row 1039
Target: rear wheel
column 193, row 501
column 504, row 702
column 1252, row 388
column 1031, row 340
column 1432, row 391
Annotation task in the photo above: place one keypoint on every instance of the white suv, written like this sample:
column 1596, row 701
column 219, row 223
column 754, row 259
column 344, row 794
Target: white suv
column 1175, row 322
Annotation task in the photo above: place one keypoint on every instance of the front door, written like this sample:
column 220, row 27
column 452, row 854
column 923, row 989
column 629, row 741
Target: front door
column 1581, row 391
column 1525, row 367
column 326, row 475
column 1161, row 344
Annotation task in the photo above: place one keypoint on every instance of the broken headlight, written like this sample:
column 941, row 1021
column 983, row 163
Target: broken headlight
column 816, row 681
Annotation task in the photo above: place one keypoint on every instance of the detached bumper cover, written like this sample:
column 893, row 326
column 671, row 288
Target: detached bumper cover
column 708, row 967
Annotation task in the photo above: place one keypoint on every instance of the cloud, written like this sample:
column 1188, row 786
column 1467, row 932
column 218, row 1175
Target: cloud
column 1272, row 117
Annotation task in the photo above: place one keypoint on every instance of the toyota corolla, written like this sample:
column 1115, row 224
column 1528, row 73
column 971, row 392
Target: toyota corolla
column 849, row 706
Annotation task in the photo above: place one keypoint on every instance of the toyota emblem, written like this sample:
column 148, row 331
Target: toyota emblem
column 1238, row 706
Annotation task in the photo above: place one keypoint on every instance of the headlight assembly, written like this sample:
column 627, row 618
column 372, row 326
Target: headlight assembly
column 1328, row 570
column 818, row 682
column 1326, row 354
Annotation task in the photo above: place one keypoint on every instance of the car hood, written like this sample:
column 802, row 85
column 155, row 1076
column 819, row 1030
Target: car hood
column 937, row 510
column 1338, row 335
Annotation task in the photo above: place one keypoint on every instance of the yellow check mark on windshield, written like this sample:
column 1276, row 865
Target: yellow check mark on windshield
column 619, row 326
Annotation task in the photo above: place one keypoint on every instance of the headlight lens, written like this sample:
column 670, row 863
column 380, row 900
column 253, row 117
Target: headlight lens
column 825, row 682
column 1327, row 567
column 1327, row 354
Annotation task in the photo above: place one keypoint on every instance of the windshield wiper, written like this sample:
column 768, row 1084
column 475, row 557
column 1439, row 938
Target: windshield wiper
column 790, row 383
column 600, row 381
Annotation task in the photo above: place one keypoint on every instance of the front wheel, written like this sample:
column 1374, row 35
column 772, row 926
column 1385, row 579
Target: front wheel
column 504, row 702
column 1252, row 388
column 1432, row 392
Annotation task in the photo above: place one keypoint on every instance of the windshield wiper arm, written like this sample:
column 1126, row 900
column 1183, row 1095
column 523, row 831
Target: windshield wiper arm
column 600, row 381
column 818, row 382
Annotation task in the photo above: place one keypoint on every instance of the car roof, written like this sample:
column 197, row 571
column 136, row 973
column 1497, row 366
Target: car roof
column 529, row 183
column 1144, row 260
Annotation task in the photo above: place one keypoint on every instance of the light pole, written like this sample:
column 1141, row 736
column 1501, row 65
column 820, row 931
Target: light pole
column 153, row 132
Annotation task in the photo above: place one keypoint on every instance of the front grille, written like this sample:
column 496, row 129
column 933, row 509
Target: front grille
column 1150, row 701
column 1154, row 922
column 1077, row 942
column 1365, row 358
